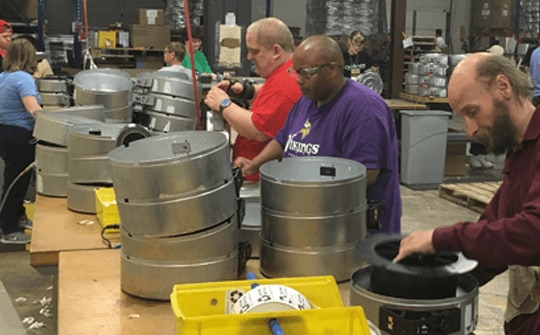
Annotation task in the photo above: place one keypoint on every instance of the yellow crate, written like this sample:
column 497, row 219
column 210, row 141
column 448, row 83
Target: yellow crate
column 200, row 309
column 106, row 208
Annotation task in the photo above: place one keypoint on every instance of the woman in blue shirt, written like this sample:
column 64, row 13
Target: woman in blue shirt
column 18, row 106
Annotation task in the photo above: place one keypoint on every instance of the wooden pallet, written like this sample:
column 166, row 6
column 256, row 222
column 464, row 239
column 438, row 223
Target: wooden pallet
column 471, row 195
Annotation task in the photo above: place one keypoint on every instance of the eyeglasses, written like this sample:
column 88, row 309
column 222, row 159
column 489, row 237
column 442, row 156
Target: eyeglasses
column 306, row 72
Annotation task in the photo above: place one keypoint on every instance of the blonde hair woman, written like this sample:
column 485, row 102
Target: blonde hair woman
column 18, row 106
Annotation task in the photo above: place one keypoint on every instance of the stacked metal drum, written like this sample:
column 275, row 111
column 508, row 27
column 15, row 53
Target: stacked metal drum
column 164, row 101
column 428, row 76
column 313, row 213
column 109, row 87
column 89, row 145
column 51, row 131
column 177, row 201
column 55, row 91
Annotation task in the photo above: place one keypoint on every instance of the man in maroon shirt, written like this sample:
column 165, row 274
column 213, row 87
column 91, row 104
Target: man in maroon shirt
column 492, row 95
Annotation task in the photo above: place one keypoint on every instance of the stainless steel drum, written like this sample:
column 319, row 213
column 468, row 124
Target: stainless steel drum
column 167, row 123
column 155, row 280
column 89, row 146
column 109, row 87
column 434, row 58
column 122, row 114
column 82, row 198
column 372, row 80
column 165, row 166
column 458, row 314
column 53, row 127
column 207, row 244
column 167, row 104
column 413, row 68
column 313, row 215
column 168, row 84
column 51, row 170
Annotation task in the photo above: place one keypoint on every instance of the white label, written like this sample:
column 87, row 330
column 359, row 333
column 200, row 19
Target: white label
column 159, row 104
column 167, row 88
column 167, row 127
column 171, row 109
column 151, row 15
column 152, row 123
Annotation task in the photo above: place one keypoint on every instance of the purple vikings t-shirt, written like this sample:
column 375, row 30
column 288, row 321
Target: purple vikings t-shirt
column 357, row 124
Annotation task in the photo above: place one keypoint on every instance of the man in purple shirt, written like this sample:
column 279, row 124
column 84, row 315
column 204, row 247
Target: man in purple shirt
column 338, row 117
column 493, row 97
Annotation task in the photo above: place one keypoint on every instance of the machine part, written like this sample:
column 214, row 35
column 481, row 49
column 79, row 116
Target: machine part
column 434, row 58
column 372, row 80
column 456, row 315
column 211, row 243
column 313, row 186
column 51, row 159
column 170, row 165
column 279, row 261
column 122, row 114
column 166, row 83
column 167, row 123
column 82, row 198
column 55, row 99
column 154, row 280
column 298, row 231
column 53, row 127
column 167, row 104
column 54, row 185
column 418, row 276
column 184, row 214
column 54, row 84
column 413, row 68
column 412, row 79
column 109, row 87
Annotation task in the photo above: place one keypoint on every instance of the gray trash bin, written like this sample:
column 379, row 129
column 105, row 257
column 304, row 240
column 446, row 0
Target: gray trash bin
column 423, row 147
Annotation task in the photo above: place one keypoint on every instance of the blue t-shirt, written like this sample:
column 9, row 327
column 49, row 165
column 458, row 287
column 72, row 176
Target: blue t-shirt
column 15, row 86
column 358, row 125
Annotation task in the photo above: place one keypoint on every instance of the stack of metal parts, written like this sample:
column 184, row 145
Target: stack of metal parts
column 55, row 91
column 339, row 17
column 174, row 14
column 164, row 101
column 88, row 151
column 51, row 131
column 428, row 76
column 313, row 213
column 531, row 15
column 177, row 200
column 108, row 87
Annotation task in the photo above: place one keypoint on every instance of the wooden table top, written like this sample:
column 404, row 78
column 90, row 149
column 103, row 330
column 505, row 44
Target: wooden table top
column 91, row 301
column 56, row 229
column 399, row 104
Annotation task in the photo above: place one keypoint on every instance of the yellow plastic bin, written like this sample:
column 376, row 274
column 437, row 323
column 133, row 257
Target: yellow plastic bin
column 106, row 208
column 200, row 309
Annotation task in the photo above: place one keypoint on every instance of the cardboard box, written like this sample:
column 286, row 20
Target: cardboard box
column 151, row 17
column 149, row 37
column 106, row 39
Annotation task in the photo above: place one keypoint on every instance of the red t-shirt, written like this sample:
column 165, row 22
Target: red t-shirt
column 270, row 108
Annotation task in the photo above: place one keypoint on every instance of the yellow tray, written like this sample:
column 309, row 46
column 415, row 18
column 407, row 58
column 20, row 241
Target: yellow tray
column 200, row 309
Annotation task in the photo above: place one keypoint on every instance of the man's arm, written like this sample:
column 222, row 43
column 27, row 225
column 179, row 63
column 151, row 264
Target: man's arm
column 273, row 150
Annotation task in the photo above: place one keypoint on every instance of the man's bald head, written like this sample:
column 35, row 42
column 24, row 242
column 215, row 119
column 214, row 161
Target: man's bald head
column 321, row 50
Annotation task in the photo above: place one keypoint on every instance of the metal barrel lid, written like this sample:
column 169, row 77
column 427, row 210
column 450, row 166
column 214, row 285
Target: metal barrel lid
column 309, row 170
column 53, row 127
column 103, row 80
column 185, row 145
column 95, row 112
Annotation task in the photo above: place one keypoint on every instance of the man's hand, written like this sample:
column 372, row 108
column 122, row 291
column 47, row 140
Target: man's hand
column 214, row 97
column 247, row 166
column 418, row 242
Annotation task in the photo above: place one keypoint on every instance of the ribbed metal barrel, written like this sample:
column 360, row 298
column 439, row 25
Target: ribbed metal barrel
column 165, row 166
column 167, row 123
column 154, row 280
column 313, row 215
column 109, row 87
column 51, row 170
column 167, row 104
column 89, row 146
column 81, row 198
column 53, row 126
column 461, row 310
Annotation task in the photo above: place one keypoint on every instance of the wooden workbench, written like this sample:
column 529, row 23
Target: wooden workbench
column 90, row 301
column 399, row 104
column 58, row 229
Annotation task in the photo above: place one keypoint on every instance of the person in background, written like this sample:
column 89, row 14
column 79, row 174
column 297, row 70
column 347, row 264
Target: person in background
column 43, row 66
column 5, row 38
column 201, row 63
column 18, row 107
column 338, row 117
column 357, row 60
column 441, row 43
column 493, row 96
column 270, row 47
column 534, row 71
column 173, row 54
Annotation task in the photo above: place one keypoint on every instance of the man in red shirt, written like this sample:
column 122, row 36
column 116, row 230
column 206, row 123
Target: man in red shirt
column 493, row 96
column 270, row 46
column 5, row 38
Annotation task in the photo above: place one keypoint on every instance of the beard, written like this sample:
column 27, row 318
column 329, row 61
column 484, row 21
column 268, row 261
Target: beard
column 501, row 136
